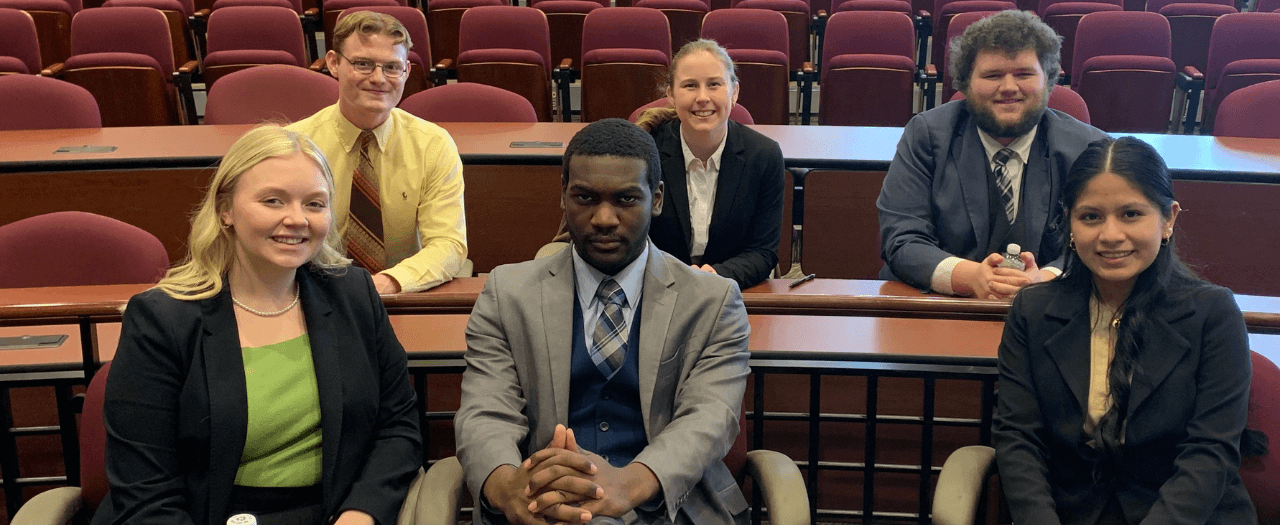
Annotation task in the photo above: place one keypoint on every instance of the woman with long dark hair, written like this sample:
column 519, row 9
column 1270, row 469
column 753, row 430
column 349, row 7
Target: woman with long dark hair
column 1124, row 384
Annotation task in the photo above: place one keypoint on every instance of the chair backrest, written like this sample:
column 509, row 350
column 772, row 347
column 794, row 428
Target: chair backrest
column 1064, row 18
column 470, row 102
column 507, row 28
column 635, row 28
column 1268, row 6
column 1192, row 25
column 1253, row 111
column 35, row 102
column 1119, row 33
column 1262, row 474
column 73, row 248
column 414, row 22
column 93, row 443
column 1043, row 6
column 897, row 6
column 747, row 29
column 269, row 93
column 1062, row 99
column 295, row 5
column 18, row 39
column 265, row 28
column 1240, row 36
column 53, row 23
column 738, row 114
column 1155, row 6
column 868, row 33
column 138, row 30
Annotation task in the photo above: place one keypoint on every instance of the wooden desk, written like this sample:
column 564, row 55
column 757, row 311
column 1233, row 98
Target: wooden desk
column 1229, row 183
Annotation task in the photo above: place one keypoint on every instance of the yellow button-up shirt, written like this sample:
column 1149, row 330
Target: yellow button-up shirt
column 420, row 184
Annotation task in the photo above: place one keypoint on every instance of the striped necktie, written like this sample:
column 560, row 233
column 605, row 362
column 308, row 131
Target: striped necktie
column 1005, row 181
column 609, row 349
column 364, row 227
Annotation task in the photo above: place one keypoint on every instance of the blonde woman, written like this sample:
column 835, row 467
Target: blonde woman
column 261, row 376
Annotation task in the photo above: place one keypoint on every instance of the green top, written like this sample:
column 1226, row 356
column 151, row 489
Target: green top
column 282, row 445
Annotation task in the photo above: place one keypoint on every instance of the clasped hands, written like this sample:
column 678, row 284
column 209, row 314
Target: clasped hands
column 987, row 280
column 564, row 484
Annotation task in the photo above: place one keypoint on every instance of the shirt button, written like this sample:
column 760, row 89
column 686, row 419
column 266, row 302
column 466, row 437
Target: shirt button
column 604, row 426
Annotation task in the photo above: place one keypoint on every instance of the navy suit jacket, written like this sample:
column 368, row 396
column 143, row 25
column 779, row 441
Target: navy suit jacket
column 934, row 202
column 742, row 240
column 1187, row 408
column 176, row 409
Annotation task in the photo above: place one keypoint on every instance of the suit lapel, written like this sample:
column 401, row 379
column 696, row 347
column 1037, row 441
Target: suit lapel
column 656, row 307
column 228, row 401
column 968, row 160
column 324, row 355
column 1070, row 312
column 1162, row 349
column 558, row 295
column 1038, row 185
column 728, row 185
column 675, row 197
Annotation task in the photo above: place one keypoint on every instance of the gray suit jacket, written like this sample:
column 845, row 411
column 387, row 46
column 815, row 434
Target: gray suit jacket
column 934, row 200
column 693, row 370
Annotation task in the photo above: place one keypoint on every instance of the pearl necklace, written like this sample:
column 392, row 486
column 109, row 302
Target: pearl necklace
column 260, row 313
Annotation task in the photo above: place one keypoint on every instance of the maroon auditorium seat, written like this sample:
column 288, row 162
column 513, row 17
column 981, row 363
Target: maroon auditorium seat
column 1253, row 111
column 1123, row 70
column 756, row 41
column 443, row 17
column 868, row 69
column 36, row 102
column 247, row 36
column 74, row 248
column 684, row 17
column 470, row 102
column 53, row 24
column 1244, row 49
column 276, row 93
column 564, row 19
column 19, row 43
column 1064, row 17
column 508, row 47
column 797, row 13
column 625, row 54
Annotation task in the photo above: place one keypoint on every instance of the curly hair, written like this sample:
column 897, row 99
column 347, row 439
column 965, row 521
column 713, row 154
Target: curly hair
column 1010, row 32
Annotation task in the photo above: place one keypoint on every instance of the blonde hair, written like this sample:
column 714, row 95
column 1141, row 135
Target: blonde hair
column 371, row 23
column 211, row 247
column 651, row 118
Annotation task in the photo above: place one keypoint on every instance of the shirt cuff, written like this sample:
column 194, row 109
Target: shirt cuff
column 1056, row 272
column 941, row 280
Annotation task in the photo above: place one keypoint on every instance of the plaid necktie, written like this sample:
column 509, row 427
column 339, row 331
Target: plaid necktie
column 609, row 349
column 364, row 227
column 1005, row 181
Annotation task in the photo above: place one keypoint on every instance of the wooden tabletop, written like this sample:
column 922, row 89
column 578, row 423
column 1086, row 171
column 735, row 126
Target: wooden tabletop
column 829, row 147
column 819, row 297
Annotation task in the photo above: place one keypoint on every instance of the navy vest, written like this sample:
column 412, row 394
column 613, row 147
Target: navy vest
column 605, row 414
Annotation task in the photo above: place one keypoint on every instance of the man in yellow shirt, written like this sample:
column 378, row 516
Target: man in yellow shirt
column 397, row 178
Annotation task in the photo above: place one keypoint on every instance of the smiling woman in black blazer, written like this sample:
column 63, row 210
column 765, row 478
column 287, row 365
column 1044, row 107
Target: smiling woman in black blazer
column 1124, row 384
column 262, row 375
column 727, row 223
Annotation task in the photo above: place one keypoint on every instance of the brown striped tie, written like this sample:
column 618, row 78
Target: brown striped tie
column 364, row 227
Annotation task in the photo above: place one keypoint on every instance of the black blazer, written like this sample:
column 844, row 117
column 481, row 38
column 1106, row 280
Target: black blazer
column 1187, row 409
column 176, row 409
column 742, row 240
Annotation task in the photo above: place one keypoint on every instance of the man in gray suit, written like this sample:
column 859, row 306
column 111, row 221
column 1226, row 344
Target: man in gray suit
column 642, row 358
column 972, row 176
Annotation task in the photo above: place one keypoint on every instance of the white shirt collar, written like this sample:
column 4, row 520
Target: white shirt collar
column 713, row 162
column 630, row 278
column 1020, row 145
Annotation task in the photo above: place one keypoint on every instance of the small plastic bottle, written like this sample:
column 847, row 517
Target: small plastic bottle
column 1013, row 258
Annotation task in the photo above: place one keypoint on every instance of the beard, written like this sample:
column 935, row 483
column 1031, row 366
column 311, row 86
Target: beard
column 986, row 119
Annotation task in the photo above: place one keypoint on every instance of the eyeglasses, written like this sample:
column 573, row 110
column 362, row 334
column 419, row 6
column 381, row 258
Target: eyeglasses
column 365, row 66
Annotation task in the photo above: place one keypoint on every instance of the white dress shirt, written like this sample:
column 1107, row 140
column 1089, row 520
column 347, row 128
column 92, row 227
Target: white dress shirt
column 701, row 179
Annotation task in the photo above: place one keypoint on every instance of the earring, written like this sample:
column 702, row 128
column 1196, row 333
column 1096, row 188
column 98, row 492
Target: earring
column 1165, row 241
column 1072, row 241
